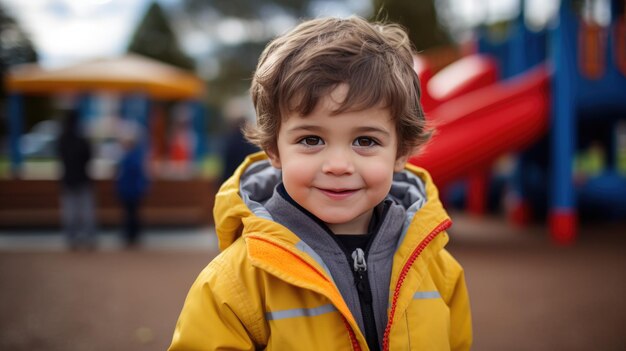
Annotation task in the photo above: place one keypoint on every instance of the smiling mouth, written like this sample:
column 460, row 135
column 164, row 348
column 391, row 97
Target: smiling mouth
column 338, row 193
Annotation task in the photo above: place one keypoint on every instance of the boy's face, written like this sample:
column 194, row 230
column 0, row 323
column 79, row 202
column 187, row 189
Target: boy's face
column 338, row 167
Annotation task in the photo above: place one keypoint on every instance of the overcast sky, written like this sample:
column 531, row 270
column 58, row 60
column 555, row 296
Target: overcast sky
column 66, row 31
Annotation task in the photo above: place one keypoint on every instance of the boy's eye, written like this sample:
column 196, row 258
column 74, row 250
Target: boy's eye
column 311, row 141
column 364, row 141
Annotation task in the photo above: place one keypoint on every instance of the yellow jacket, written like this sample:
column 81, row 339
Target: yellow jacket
column 262, row 291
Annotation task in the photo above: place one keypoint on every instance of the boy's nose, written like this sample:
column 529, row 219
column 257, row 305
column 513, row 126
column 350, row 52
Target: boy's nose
column 338, row 162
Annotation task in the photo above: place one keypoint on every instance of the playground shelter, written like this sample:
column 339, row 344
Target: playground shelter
column 139, row 80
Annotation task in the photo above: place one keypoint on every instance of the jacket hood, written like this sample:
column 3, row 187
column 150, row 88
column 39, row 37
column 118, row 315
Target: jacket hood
column 243, row 195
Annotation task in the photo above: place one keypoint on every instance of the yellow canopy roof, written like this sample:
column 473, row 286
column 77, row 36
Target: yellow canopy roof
column 130, row 73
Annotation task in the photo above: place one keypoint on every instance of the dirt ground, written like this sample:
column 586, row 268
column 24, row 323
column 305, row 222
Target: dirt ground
column 526, row 293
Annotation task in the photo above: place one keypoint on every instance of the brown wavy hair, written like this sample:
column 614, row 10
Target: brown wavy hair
column 304, row 65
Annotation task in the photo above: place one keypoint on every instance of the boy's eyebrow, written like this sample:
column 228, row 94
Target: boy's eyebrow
column 363, row 129
column 373, row 129
column 306, row 127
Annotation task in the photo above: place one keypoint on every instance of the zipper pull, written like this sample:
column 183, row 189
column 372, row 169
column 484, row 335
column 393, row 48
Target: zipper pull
column 360, row 267
column 358, row 256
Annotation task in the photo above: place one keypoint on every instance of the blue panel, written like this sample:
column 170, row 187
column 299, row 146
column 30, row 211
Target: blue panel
column 136, row 107
column 199, row 123
column 15, row 131
column 86, row 109
column 517, row 48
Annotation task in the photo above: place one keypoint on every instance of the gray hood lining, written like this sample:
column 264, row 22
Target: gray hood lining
column 256, row 186
column 258, row 181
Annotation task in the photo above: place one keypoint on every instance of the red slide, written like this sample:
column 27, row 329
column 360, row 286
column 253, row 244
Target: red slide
column 473, row 130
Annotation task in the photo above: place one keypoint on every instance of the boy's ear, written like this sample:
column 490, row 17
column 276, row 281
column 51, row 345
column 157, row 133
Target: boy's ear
column 274, row 159
column 401, row 162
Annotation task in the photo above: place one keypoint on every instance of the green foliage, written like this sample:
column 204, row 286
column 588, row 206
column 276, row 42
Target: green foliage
column 15, row 49
column 15, row 46
column 419, row 17
column 237, row 66
column 211, row 167
column 5, row 167
column 590, row 162
column 238, row 61
column 155, row 38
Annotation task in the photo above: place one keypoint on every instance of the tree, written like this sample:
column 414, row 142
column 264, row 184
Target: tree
column 420, row 19
column 15, row 49
column 236, row 61
column 15, row 46
column 155, row 38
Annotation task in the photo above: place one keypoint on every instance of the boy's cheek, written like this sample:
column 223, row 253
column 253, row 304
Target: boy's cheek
column 299, row 168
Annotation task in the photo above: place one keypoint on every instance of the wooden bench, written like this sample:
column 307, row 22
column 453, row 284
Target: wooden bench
column 36, row 203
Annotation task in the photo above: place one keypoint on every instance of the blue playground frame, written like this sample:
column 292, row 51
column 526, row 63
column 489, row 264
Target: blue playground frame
column 569, row 46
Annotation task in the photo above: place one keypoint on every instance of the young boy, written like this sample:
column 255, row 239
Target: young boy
column 329, row 242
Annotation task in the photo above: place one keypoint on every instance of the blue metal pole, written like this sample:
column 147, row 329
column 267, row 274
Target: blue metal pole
column 517, row 45
column 562, row 212
column 199, row 123
column 136, row 108
column 85, row 110
column 15, row 132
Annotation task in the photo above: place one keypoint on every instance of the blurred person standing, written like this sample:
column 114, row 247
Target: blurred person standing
column 236, row 147
column 77, row 200
column 132, row 182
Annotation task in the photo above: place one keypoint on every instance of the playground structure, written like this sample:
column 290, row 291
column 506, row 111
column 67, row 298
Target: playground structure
column 141, row 88
column 558, row 90
column 139, row 82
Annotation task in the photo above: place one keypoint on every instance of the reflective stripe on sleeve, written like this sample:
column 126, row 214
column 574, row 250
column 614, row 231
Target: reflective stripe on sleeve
column 299, row 312
column 426, row 295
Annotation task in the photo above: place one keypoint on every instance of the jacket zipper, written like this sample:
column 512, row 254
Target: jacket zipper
column 351, row 335
column 405, row 270
column 365, row 298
